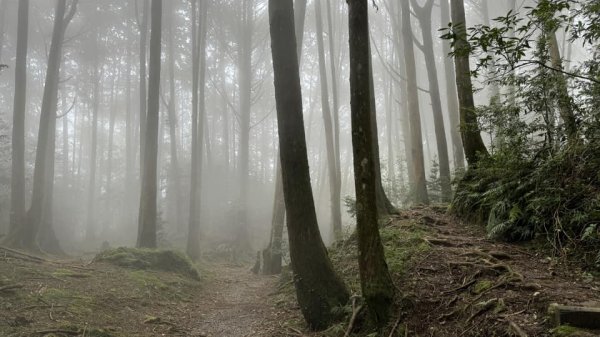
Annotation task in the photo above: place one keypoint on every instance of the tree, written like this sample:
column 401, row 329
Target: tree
column 26, row 234
column 17, row 203
column 97, row 83
column 332, row 162
column 198, row 76
column 419, row 189
column 376, row 283
column 318, row 288
column 451, row 94
column 423, row 14
column 471, row 136
column 148, row 203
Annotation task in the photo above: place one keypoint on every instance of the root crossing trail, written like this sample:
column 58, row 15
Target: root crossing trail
column 235, row 302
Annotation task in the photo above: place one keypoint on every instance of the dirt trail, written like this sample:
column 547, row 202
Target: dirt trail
column 234, row 303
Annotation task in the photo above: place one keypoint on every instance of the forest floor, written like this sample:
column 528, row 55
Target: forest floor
column 40, row 297
column 450, row 281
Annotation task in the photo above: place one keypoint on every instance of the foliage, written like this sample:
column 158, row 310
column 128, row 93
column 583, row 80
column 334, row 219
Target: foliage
column 147, row 259
column 537, row 181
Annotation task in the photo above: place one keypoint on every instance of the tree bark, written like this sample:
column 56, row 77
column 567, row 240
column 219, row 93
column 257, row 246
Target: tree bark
column 333, row 171
column 198, row 101
column 318, row 288
column 419, row 189
column 17, row 199
column 452, row 94
column 471, row 136
column 376, row 283
column 148, row 202
column 25, row 235
column 423, row 14
column 91, row 207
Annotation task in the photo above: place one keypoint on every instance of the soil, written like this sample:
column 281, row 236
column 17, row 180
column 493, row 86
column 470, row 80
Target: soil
column 461, row 285
column 73, row 298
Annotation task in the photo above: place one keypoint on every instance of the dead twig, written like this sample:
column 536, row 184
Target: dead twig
column 59, row 331
column 355, row 311
column 11, row 287
column 395, row 327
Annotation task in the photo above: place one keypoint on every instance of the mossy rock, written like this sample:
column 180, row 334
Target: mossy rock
column 150, row 259
column 569, row 331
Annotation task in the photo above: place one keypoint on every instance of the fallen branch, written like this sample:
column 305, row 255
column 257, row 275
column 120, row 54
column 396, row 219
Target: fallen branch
column 11, row 287
column 355, row 311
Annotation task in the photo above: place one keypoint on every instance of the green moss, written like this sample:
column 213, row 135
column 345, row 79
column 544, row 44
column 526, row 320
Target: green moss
column 401, row 245
column 145, row 279
column 149, row 259
column 564, row 331
column 482, row 286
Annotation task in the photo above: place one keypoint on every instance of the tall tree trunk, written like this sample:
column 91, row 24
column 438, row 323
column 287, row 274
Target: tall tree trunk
column 318, row 288
column 148, row 203
column 25, row 235
column 245, row 48
column 336, row 104
column 404, row 124
column 198, row 102
column 419, row 189
column 376, row 283
column 128, row 187
column 109, row 160
column 17, row 196
column 451, row 93
column 174, row 189
column 143, row 27
column 91, row 207
column 334, row 193
column 471, row 136
column 384, row 205
column 423, row 14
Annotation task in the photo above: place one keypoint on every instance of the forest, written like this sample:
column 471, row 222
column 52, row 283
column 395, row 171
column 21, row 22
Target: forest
column 305, row 168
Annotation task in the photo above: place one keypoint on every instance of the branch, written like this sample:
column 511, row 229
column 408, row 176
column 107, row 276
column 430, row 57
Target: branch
column 68, row 110
column 72, row 10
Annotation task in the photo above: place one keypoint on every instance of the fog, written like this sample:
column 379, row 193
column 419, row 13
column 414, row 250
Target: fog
column 95, row 198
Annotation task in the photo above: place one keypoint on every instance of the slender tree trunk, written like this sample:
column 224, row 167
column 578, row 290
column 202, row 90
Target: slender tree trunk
column 25, row 235
column 174, row 186
column 423, row 14
column 128, row 192
column 143, row 27
column 91, row 207
column 471, row 136
column 245, row 48
column 17, row 203
column 376, row 283
column 148, row 202
column 334, row 193
column 109, row 160
column 452, row 94
column 198, row 101
column 318, row 288
column 419, row 189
